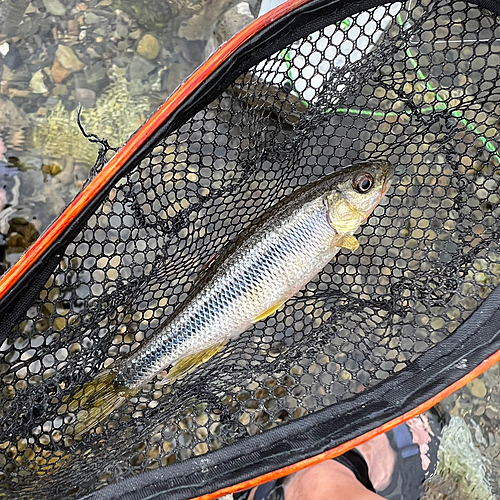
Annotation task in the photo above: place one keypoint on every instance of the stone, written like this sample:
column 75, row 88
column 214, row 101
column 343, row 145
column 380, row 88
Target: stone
column 140, row 68
column 54, row 7
column 148, row 47
column 135, row 35
column 7, row 74
column 73, row 28
column 37, row 83
column 66, row 62
column 477, row 388
column 91, row 18
column 86, row 97
column 68, row 59
column 82, row 7
column 60, row 90
column 18, row 93
column 13, row 58
column 4, row 49
column 58, row 73
column 230, row 23
column 96, row 75
column 121, row 30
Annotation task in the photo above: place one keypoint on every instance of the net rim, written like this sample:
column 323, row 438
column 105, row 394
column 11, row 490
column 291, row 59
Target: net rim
column 492, row 306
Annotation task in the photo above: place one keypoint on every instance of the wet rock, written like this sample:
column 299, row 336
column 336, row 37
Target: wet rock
column 21, row 235
column 4, row 49
column 122, row 45
column 11, row 16
column 37, row 83
column 135, row 35
column 51, row 169
column 3, row 198
column 96, row 76
column 140, row 68
column 13, row 58
column 477, row 388
column 54, row 7
column 20, row 78
column 3, row 150
column 11, row 117
column 91, row 18
column 121, row 30
column 68, row 58
column 66, row 62
column 58, row 73
column 232, row 21
column 148, row 47
column 60, row 90
column 86, row 97
column 73, row 29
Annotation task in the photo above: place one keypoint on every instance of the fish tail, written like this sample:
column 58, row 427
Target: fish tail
column 96, row 400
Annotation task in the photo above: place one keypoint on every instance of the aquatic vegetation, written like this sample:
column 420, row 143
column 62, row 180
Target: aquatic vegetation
column 116, row 116
column 460, row 461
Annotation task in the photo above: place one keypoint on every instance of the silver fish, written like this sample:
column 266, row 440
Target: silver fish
column 266, row 265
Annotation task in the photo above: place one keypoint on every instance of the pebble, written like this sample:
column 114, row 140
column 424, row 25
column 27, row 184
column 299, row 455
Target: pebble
column 140, row 68
column 54, row 7
column 82, row 7
column 60, row 90
column 66, row 62
column 477, row 388
column 121, row 30
column 135, row 35
column 73, row 28
column 148, row 47
column 86, row 97
column 91, row 18
column 37, row 83
column 68, row 59
column 4, row 49
column 13, row 58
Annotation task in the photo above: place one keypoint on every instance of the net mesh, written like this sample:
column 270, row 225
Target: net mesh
column 413, row 83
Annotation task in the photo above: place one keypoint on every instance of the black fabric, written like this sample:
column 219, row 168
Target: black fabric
column 355, row 462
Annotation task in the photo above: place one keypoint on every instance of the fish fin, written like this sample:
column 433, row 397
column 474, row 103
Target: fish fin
column 348, row 241
column 268, row 312
column 96, row 400
column 192, row 361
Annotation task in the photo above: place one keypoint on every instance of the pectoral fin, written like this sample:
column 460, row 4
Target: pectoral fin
column 349, row 242
column 189, row 363
column 268, row 312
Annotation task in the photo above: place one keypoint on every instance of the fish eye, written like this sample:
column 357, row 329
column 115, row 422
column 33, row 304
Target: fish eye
column 362, row 183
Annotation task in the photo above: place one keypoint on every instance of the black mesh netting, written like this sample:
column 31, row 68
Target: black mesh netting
column 414, row 83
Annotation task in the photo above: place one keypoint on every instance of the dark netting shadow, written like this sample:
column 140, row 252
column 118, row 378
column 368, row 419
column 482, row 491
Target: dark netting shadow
column 414, row 83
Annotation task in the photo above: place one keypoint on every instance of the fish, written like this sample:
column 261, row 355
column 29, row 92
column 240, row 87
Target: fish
column 267, row 264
